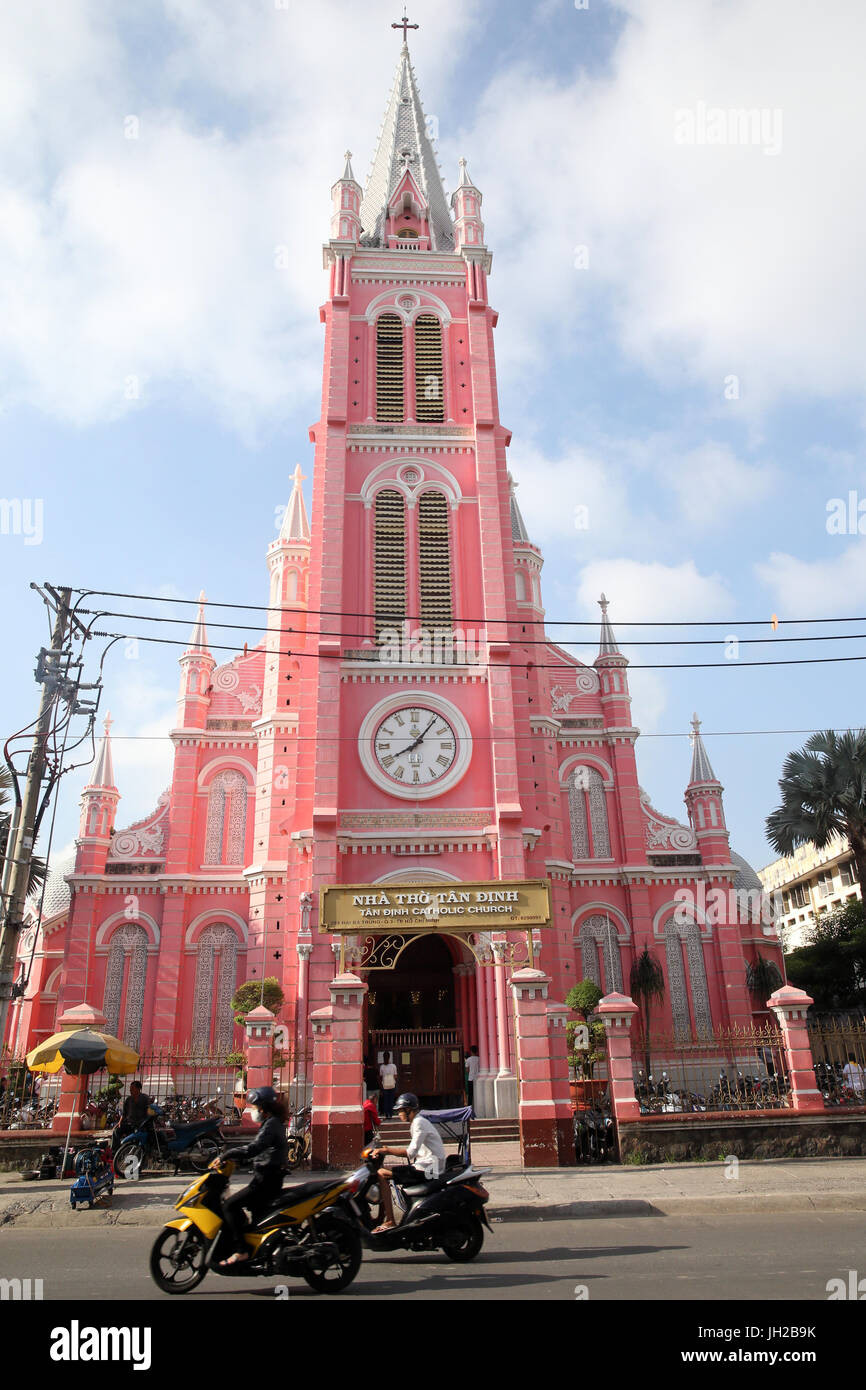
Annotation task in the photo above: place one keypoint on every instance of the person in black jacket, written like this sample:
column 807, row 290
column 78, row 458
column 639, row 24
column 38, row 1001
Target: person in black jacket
column 269, row 1153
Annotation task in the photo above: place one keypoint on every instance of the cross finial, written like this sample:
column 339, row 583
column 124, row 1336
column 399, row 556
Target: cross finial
column 602, row 603
column 298, row 477
column 107, row 723
column 404, row 25
column 696, row 729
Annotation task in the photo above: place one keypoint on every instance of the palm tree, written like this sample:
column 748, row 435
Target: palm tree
column 647, row 987
column 763, row 977
column 38, row 867
column 823, row 788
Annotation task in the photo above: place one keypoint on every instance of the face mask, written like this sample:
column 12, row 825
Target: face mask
column 257, row 1116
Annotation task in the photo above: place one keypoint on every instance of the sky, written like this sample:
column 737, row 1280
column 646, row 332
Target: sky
column 674, row 200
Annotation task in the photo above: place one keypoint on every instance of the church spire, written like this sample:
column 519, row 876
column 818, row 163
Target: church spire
column 198, row 636
column 701, row 769
column 296, row 526
column 103, row 773
column 405, row 147
column 607, row 645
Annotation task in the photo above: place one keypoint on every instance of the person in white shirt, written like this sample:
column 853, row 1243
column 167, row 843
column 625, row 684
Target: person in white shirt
column 473, row 1066
column 854, row 1076
column 426, row 1154
column 388, row 1083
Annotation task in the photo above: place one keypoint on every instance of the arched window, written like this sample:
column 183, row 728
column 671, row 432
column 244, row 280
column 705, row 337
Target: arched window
column 594, row 932
column 434, row 562
column 390, row 560
column 125, row 978
column 587, row 805
column 225, row 837
column 683, row 948
column 520, row 586
column 429, row 390
column 215, row 976
column 389, row 368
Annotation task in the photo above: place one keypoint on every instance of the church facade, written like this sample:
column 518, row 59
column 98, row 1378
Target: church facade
column 405, row 720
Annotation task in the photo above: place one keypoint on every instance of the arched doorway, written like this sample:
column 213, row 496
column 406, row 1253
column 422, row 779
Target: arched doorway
column 412, row 1013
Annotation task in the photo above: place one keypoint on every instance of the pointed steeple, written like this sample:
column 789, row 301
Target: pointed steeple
column 103, row 773
column 464, row 180
column 701, row 769
column 198, row 636
column 518, row 525
column 296, row 526
column 348, row 175
column 405, row 145
column 607, row 645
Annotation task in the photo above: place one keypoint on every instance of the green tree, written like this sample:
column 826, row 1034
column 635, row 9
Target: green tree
column 763, row 977
column 248, row 996
column 38, row 867
column 647, row 987
column 823, row 787
column 582, row 999
column 831, row 967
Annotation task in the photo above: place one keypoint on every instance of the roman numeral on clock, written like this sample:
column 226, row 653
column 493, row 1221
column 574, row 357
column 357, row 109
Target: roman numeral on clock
column 387, row 761
column 399, row 771
column 443, row 760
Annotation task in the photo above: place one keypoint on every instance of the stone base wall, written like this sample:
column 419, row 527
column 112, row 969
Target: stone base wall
column 21, row 1149
column 663, row 1139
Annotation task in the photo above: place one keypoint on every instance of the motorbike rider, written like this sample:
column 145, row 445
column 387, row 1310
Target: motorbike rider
column 269, row 1152
column 426, row 1154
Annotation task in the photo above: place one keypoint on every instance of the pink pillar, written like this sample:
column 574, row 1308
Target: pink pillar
column 617, row 1012
column 490, row 1004
column 259, row 1049
column 790, row 1006
column 305, row 950
column 543, row 1110
column 501, row 1010
column 73, row 1089
column 481, row 1014
column 338, row 1071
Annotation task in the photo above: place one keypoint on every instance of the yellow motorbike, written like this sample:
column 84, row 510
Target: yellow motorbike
column 293, row 1235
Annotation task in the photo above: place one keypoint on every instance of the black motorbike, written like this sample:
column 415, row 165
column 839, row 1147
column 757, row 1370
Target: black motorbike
column 445, row 1214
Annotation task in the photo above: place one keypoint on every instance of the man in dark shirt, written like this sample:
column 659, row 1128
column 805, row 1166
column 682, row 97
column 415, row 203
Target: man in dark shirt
column 135, row 1109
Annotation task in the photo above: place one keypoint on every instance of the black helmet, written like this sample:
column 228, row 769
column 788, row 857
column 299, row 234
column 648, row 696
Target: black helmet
column 262, row 1095
column 407, row 1101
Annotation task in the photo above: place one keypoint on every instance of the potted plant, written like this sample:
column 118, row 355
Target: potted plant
column 586, row 1092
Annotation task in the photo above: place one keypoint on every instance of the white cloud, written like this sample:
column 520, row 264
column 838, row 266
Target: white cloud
column 713, row 485
column 816, row 588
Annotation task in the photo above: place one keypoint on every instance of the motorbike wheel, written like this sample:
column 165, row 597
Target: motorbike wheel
column 130, row 1149
column 177, row 1260
column 203, row 1152
column 332, row 1278
column 464, row 1240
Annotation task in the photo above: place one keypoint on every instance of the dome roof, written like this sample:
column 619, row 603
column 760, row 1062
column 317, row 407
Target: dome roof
column 746, row 878
column 58, row 894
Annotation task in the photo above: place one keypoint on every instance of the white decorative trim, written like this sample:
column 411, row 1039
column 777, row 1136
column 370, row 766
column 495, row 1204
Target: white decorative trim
column 141, row 919
column 619, row 921
column 388, row 473
column 568, row 766
column 216, row 765
column 213, row 917
column 381, row 779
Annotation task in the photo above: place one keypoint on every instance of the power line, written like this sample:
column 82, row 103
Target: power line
column 522, row 641
column 526, row 622
column 492, row 738
column 489, row 665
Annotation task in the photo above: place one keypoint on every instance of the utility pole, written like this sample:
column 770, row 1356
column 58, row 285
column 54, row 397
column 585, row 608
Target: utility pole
column 20, row 843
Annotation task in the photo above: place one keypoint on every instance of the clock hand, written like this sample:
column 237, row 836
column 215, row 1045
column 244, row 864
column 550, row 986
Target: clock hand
column 419, row 739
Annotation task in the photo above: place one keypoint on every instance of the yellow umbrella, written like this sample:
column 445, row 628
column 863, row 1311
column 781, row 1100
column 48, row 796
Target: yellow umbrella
column 81, row 1051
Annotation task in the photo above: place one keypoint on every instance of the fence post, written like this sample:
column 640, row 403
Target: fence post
column 259, row 1048
column 617, row 1012
column 542, row 1069
column 790, row 1006
column 338, row 1071
column 73, row 1089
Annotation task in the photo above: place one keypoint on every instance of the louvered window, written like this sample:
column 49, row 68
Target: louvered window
column 390, row 563
column 429, row 397
column 434, row 562
column 389, row 368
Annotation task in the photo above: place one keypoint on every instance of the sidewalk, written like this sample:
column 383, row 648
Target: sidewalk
column 539, row 1194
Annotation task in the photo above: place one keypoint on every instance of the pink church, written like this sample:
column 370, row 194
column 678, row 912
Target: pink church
column 404, row 720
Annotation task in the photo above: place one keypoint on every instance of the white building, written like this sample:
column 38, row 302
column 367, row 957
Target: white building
column 807, row 884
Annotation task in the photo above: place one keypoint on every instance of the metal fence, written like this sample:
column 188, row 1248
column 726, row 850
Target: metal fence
column 839, row 1052
column 733, row 1069
column 27, row 1101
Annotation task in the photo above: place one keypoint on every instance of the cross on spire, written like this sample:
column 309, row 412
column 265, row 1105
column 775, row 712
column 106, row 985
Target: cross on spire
column 404, row 24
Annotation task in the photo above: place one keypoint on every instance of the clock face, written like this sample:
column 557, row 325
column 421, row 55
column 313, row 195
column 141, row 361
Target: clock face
column 415, row 746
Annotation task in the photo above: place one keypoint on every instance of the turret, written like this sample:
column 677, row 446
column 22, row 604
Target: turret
column 346, row 206
column 289, row 554
column 528, row 561
column 196, row 669
column 98, row 809
column 466, row 203
column 703, row 798
column 612, row 666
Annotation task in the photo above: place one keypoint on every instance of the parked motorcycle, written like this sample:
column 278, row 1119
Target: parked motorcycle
column 446, row 1214
column 300, row 1138
column 201, row 1142
column 303, row 1232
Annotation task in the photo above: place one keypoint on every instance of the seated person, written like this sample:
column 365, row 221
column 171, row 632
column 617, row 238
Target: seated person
column 135, row 1110
column 269, row 1152
column 426, row 1153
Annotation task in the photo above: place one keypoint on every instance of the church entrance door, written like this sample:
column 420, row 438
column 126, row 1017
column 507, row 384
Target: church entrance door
column 412, row 1014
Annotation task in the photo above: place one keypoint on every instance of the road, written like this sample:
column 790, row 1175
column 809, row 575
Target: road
column 753, row 1257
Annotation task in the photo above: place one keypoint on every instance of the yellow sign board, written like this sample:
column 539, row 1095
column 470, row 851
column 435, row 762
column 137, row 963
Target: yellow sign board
column 423, row 907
